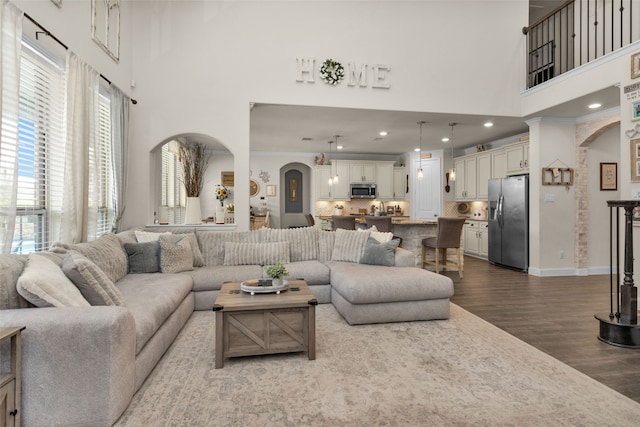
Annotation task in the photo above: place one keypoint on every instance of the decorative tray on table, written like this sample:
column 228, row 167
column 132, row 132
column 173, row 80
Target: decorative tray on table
column 263, row 286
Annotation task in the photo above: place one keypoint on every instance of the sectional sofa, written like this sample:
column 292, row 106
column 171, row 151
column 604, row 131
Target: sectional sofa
column 89, row 346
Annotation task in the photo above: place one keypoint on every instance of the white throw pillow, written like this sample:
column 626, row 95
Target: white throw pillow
column 380, row 236
column 147, row 236
column 43, row 284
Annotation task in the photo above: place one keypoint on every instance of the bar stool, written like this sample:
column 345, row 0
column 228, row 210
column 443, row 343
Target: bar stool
column 449, row 233
column 382, row 223
column 346, row 222
column 310, row 221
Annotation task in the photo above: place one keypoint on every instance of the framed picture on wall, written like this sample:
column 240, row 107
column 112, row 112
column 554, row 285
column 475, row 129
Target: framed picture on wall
column 271, row 190
column 635, row 65
column 635, row 159
column 608, row 176
column 635, row 113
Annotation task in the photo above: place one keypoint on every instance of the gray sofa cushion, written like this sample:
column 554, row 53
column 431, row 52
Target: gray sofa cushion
column 236, row 253
column 303, row 241
column 313, row 272
column 212, row 243
column 92, row 283
column 387, row 284
column 212, row 277
column 106, row 252
column 43, row 284
column 349, row 245
column 326, row 239
column 11, row 267
column 152, row 301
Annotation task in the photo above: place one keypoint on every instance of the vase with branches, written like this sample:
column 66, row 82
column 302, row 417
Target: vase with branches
column 194, row 160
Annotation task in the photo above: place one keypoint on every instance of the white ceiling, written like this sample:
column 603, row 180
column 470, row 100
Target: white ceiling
column 281, row 128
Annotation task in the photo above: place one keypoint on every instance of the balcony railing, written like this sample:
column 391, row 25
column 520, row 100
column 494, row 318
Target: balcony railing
column 577, row 32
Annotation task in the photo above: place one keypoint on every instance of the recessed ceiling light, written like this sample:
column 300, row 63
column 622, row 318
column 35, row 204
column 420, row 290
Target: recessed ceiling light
column 416, row 149
column 488, row 124
column 383, row 133
column 595, row 105
column 445, row 139
column 339, row 147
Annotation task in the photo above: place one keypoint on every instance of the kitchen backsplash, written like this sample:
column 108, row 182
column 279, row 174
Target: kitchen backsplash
column 472, row 210
column 325, row 208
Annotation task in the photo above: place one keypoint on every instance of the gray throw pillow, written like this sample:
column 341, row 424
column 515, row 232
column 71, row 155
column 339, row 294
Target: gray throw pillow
column 377, row 253
column 176, row 254
column 91, row 281
column 143, row 257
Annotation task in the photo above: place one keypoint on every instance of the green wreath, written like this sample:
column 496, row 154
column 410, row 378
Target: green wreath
column 332, row 72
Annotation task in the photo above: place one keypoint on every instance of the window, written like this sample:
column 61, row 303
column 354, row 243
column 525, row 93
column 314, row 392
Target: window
column 41, row 154
column 40, row 150
column 106, row 191
column 173, row 193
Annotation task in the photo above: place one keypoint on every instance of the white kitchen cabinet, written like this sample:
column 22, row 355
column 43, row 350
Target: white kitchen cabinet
column 498, row 163
column 466, row 178
column 399, row 183
column 517, row 158
column 342, row 190
column 476, row 238
column 483, row 175
column 384, row 180
column 362, row 172
column 323, row 189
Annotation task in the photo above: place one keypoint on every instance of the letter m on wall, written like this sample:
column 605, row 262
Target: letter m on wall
column 357, row 74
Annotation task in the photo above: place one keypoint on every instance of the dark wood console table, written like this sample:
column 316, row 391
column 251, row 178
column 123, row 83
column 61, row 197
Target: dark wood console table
column 621, row 327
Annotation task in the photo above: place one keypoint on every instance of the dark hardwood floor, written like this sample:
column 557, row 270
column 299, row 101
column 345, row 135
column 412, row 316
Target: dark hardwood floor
column 553, row 314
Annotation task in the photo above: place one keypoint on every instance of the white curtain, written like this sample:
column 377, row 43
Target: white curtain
column 80, row 202
column 10, row 46
column 120, row 151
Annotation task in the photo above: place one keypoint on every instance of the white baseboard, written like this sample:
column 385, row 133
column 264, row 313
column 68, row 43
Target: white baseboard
column 553, row 272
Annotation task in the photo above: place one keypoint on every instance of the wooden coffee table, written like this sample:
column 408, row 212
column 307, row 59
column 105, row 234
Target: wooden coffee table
column 249, row 325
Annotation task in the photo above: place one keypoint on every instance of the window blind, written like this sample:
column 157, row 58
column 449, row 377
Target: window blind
column 173, row 192
column 41, row 136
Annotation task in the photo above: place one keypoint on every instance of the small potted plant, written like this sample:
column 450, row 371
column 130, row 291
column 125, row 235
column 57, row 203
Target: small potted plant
column 276, row 272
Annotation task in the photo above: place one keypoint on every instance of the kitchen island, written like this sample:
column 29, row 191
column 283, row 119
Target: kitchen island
column 412, row 231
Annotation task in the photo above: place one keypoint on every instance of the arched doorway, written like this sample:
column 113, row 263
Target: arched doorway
column 295, row 199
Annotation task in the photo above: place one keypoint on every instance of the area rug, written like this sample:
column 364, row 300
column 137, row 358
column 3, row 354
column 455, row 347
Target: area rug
column 459, row 372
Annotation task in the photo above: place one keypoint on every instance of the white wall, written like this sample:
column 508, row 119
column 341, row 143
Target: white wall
column 552, row 207
column 198, row 65
column 604, row 149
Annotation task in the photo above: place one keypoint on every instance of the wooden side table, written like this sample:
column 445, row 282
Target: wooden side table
column 10, row 381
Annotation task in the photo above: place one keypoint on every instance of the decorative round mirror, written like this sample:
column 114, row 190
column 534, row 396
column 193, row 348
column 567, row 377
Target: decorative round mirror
column 254, row 188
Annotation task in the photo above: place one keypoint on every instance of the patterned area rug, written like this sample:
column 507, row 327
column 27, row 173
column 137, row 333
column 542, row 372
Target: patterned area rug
column 463, row 371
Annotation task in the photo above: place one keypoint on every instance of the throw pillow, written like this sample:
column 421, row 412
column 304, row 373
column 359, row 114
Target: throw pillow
column 176, row 254
column 238, row 253
column 43, row 284
column 147, row 236
column 106, row 252
column 377, row 253
column 92, row 283
column 380, row 236
column 143, row 257
column 349, row 245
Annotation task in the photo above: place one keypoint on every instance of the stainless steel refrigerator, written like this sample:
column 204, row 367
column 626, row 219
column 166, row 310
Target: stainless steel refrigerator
column 509, row 222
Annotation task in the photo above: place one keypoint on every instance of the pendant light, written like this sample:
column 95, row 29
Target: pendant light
column 330, row 165
column 420, row 173
column 335, row 177
column 452, row 171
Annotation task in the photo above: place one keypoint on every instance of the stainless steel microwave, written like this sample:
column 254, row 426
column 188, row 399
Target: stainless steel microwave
column 363, row 191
